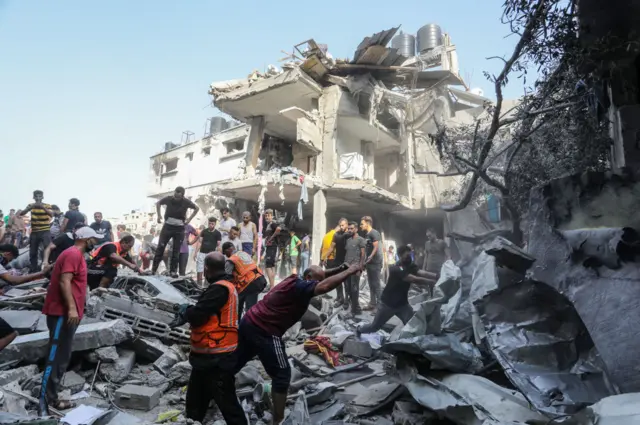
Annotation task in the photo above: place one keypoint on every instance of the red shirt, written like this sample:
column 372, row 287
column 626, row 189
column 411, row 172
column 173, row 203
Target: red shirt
column 70, row 261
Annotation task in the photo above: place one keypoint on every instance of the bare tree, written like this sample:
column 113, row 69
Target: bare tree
column 554, row 130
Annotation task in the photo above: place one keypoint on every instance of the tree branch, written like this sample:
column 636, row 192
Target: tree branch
column 530, row 114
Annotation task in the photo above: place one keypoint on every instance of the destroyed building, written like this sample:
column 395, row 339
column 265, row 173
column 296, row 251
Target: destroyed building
column 322, row 138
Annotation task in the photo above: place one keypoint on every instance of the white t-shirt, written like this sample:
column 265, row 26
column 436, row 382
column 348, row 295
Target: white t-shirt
column 226, row 224
column 137, row 247
column 237, row 243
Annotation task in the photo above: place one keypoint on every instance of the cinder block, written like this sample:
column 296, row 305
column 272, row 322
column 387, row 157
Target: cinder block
column 137, row 397
column 353, row 347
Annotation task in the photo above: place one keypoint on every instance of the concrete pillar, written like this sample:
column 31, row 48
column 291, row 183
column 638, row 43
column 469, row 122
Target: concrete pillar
column 254, row 143
column 319, row 224
column 368, row 152
column 327, row 163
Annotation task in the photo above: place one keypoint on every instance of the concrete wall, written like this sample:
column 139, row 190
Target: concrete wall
column 199, row 163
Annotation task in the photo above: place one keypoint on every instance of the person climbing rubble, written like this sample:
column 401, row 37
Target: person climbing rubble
column 247, row 276
column 105, row 259
column 214, row 340
column 64, row 308
column 261, row 329
column 394, row 300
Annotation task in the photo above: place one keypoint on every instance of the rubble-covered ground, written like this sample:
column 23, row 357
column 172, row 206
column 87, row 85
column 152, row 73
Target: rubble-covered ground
column 508, row 337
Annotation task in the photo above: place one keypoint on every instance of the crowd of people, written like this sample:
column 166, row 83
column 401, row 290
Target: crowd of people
column 229, row 324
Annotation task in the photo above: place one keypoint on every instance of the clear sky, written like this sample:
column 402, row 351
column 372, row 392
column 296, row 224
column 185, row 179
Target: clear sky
column 90, row 89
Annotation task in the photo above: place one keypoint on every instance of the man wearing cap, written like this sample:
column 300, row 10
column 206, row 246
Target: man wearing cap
column 64, row 307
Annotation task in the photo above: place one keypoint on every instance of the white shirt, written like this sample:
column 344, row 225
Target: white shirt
column 137, row 246
column 226, row 224
column 237, row 243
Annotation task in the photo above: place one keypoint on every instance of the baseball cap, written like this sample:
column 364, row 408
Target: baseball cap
column 86, row 233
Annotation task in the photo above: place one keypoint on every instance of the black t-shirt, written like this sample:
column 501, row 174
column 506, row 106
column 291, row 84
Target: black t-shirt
column 74, row 217
column 396, row 293
column 374, row 236
column 102, row 228
column 105, row 252
column 210, row 240
column 176, row 208
column 269, row 230
column 340, row 240
column 61, row 242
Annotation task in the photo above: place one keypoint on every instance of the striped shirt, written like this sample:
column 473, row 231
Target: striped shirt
column 40, row 220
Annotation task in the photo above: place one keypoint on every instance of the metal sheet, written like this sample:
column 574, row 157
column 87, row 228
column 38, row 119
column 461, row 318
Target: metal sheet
column 381, row 38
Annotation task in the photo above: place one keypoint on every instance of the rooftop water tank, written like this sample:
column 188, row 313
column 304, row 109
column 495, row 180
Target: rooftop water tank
column 429, row 36
column 169, row 145
column 217, row 125
column 405, row 43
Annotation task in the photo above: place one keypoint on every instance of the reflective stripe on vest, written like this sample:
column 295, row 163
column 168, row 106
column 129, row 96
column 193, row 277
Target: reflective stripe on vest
column 245, row 270
column 102, row 260
column 220, row 333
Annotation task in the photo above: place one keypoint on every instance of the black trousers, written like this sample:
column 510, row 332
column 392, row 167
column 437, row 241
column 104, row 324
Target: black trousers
column 167, row 233
column 60, row 342
column 384, row 313
column 373, row 278
column 339, row 289
column 37, row 239
column 215, row 383
column 352, row 291
column 249, row 297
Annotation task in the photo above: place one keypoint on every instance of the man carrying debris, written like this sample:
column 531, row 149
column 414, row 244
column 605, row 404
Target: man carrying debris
column 105, row 259
column 208, row 241
column 247, row 276
column 334, row 254
column 395, row 297
column 8, row 253
column 214, row 339
column 271, row 232
column 436, row 253
column 262, row 327
column 64, row 307
column 175, row 216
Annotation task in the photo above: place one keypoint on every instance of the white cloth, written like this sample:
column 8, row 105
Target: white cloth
column 226, row 224
column 200, row 262
column 137, row 247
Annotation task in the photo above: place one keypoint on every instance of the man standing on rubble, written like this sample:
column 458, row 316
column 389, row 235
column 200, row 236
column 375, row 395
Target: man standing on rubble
column 102, row 227
column 246, row 276
column 373, row 263
column 355, row 254
column 59, row 244
column 64, row 307
column 395, row 297
column 335, row 254
column 41, row 214
column 208, row 241
column 436, row 253
column 73, row 216
column 214, row 339
column 271, row 232
column 105, row 259
column 175, row 216
column 262, row 327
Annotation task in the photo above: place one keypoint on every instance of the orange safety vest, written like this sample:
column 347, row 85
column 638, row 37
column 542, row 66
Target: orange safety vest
column 220, row 333
column 101, row 261
column 245, row 270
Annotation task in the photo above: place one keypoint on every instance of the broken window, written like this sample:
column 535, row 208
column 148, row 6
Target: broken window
column 170, row 165
column 189, row 156
column 206, row 151
column 234, row 146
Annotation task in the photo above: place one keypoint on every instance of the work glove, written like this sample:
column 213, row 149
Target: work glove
column 181, row 315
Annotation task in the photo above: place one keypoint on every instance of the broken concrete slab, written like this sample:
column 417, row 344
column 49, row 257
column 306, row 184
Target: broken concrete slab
column 171, row 357
column 356, row 348
column 17, row 374
column 137, row 397
column 181, row 372
column 33, row 347
column 150, row 349
column 23, row 321
column 509, row 255
column 104, row 355
column 118, row 371
column 411, row 413
column 73, row 382
column 311, row 318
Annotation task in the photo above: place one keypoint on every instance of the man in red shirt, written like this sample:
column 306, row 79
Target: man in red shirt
column 64, row 307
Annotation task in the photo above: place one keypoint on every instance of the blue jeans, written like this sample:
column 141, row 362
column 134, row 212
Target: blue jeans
column 247, row 247
column 304, row 261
